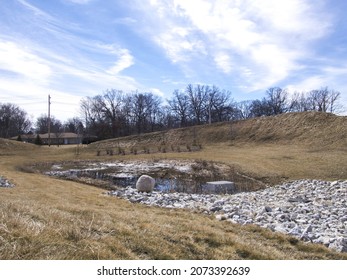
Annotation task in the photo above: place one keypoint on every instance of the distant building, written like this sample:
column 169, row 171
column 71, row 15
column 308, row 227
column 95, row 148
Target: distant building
column 61, row 138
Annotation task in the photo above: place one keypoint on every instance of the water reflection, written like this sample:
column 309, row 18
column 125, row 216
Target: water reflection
column 167, row 185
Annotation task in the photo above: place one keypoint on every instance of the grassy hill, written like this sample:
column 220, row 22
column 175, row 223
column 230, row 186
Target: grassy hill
column 11, row 147
column 47, row 218
column 288, row 146
column 307, row 128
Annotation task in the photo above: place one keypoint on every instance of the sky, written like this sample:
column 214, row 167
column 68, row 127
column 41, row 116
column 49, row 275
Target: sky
column 71, row 49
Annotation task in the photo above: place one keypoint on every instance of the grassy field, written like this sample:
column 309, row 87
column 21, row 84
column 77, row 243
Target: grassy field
column 48, row 218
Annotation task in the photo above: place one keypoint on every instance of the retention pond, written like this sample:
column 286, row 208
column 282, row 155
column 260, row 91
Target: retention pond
column 170, row 175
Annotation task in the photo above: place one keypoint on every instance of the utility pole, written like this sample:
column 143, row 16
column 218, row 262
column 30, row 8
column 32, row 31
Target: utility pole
column 209, row 110
column 49, row 120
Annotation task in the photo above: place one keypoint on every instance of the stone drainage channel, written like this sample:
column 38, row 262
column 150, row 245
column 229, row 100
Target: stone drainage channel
column 312, row 210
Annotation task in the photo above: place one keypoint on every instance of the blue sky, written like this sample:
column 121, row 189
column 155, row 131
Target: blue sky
column 76, row 48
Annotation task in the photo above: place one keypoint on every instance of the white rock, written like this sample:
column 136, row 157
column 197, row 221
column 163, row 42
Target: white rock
column 340, row 245
column 221, row 217
column 145, row 184
column 317, row 213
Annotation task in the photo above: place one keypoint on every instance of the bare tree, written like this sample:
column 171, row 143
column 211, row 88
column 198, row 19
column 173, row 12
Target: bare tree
column 334, row 106
column 261, row 108
column 86, row 112
column 220, row 106
column 319, row 99
column 153, row 103
column 145, row 110
column 198, row 100
column 324, row 100
column 277, row 100
column 74, row 125
column 13, row 120
column 243, row 110
column 111, row 107
column 179, row 105
column 42, row 124
column 299, row 102
column 115, row 113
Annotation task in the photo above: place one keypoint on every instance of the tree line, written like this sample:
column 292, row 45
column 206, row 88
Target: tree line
column 115, row 113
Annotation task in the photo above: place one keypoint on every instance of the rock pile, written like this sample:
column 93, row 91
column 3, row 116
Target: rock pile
column 4, row 183
column 312, row 210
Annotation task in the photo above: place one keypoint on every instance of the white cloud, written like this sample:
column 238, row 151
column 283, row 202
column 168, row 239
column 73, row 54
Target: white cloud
column 297, row 17
column 59, row 61
column 269, row 37
column 223, row 62
column 125, row 21
column 125, row 60
column 36, row 11
column 80, row 2
column 33, row 72
column 179, row 43
column 157, row 92
column 20, row 61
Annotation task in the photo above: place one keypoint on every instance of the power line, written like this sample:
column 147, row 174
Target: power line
column 65, row 103
column 30, row 103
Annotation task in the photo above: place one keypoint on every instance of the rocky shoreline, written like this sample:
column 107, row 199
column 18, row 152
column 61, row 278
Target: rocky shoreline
column 312, row 210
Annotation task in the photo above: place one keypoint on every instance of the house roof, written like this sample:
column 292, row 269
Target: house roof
column 60, row 135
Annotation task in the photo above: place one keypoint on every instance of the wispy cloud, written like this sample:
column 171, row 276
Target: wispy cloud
column 23, row 63
column 30, row 78
column 81, row 2
column 36, row 11
column 124, row 59
column 268, row 37
column 66, row 69
column 223, row 62
column 179, row 44
column 74, row 48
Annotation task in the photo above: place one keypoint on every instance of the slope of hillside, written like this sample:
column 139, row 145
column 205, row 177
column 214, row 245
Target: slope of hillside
column 307, row 128
column 8, row 147
column 271, row 149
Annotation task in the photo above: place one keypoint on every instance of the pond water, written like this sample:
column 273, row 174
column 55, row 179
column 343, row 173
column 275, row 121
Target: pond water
column 170, row 175
column 162, row 184
column 178, row 185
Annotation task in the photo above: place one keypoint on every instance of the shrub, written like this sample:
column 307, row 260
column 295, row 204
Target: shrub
column 133, row 150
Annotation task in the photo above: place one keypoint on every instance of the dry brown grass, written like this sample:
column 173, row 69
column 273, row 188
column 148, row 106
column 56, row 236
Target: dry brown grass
column 47, row 218
column 312, row 129
column 289, row 146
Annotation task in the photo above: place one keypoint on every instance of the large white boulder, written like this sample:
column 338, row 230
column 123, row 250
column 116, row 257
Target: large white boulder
column 145, row 183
